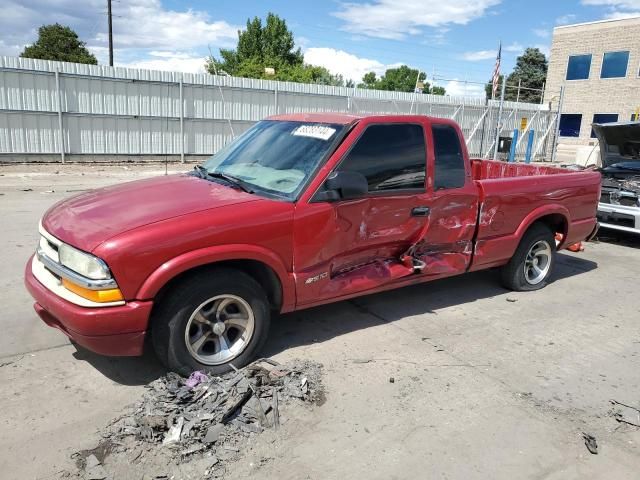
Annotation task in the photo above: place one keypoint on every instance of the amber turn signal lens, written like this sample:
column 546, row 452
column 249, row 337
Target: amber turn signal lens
column 99, row 296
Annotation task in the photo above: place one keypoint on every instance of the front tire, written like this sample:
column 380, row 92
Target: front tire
column 532, row 263
column 211, row 321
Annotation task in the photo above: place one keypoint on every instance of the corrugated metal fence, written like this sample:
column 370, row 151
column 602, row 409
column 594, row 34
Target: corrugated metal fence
column 66, row 109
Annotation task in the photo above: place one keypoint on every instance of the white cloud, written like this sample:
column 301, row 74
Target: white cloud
column 169, row 61
column 566, row 19
column 146, row 24
column 514, row 47
column 395, row 20
column 348, row 65
column 479, row 55
column 541, row 32
column 616, row 9
column 618, row 15
column 141, row 28
column 622, row 4
column 457, row 88
column 544, row 49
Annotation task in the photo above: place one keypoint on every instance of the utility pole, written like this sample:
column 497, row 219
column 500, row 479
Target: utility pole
column 110, row 34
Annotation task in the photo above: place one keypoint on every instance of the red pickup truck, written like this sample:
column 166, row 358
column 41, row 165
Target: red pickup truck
column 300, row 210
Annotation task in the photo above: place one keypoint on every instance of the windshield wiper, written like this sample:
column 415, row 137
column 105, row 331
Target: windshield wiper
column 202, row 172
column 235, row 181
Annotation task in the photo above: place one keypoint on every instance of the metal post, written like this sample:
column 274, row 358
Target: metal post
column 275, row 100
column 476, row 127
column 527, row 155
column 514, row 142
column 484, row 118
column 526, row 129
column 554, row 145
column 60, row 130
column 499, row 123
column 110, row 33
column 544, row 85
column 181, row 121
column 515, row 111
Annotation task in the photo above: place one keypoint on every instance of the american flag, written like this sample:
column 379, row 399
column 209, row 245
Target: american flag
column 496, row 73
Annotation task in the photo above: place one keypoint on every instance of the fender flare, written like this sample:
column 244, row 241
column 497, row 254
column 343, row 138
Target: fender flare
column 204, row 256
column 540, row 212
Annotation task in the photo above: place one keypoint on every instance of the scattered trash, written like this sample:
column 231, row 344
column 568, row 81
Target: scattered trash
column 627, row 414
column 189, row 428
column 590, row 443
column 27, row 189
column 94, row 469
column 362, row 360
column 195, row 379
column 511, row 299
column 392, row 380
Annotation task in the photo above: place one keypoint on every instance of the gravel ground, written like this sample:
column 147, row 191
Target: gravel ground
column 482, row 387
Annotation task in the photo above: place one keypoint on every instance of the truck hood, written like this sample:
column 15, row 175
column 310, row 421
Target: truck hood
column 619, row 143
column 87, row 220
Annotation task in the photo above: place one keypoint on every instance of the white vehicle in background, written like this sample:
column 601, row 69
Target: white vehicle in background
column 619, row 206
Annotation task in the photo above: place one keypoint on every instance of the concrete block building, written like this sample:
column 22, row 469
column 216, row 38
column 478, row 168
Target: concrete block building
column 598, row 63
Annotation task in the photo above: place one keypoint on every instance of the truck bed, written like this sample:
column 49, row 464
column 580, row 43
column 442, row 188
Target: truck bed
column 490, row 169
column 511, row 195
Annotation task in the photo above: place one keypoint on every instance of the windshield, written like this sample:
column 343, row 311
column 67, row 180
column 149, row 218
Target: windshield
column 276, row 156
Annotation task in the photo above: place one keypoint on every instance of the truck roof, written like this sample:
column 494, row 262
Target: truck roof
column 340, row 118
column 347, row 119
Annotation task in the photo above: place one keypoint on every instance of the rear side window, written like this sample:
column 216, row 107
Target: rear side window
column 391, row 157
column 449, row 162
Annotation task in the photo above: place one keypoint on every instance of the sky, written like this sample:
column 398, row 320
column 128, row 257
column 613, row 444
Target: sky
column 453, row 41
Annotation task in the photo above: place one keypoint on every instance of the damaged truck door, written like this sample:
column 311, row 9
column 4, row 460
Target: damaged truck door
column 347, row 245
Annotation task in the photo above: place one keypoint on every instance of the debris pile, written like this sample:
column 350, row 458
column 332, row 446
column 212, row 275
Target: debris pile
column 188, row 428
column 624, row 413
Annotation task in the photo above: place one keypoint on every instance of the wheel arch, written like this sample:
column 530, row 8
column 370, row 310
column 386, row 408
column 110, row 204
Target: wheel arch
column 555, row 217
column 263, row 266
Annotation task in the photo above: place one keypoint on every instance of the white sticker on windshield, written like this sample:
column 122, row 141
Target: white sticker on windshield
column 321, row 132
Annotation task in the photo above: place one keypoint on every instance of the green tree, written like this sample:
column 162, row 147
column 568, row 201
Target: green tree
column 401, row 79
column 57, row 42
column 531, row 71
column 269, row 46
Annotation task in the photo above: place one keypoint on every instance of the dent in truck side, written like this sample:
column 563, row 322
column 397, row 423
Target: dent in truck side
column 350, row 246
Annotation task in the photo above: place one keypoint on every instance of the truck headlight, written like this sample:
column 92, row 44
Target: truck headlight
column 83, row 263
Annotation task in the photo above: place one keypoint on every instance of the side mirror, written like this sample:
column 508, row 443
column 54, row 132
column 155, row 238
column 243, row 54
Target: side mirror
column 343, row 185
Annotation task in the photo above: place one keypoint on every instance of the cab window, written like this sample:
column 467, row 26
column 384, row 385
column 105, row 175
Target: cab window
column 449, row 162
column 391, row 157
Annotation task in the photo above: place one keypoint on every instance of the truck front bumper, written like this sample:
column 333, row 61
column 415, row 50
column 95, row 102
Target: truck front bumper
column 116, row 330
column 619, row 217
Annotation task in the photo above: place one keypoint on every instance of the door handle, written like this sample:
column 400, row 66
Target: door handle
column 420, row 211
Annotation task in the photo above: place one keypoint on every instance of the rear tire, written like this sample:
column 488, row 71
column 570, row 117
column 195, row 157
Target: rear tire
column 532, row 263
column 210, row 321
